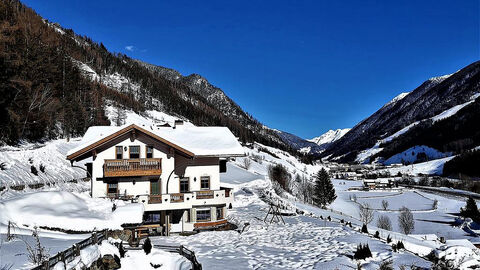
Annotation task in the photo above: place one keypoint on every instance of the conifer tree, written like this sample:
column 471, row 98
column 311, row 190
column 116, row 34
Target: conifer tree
column 324, row 192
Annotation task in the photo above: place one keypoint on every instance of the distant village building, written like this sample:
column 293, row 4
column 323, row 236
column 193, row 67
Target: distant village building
column 173, row 171
column 381, row 183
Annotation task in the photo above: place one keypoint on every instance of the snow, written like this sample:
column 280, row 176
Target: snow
column 329, row 136
column 397, row 98
column 433, row 167
column 67, row 210
column 19, row 159
column 137, row 259
column 410, row 155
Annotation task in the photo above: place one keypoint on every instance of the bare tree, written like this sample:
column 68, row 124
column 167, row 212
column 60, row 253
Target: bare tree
column 383, row 222
column 365, row 213
column 246, row 163
column 305, row 189
column 384, row 204
column 119, row 115
column 405, row 220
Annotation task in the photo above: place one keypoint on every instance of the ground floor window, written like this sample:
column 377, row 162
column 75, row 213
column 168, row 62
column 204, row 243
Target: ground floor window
column 203, row 215
column 151, row 217
column 219, row 213
column 112, row 189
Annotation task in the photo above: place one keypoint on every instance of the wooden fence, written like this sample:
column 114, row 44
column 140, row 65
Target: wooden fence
column 69, row 255
column 185, row 252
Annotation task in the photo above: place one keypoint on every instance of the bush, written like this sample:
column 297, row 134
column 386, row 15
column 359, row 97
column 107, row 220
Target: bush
column 389, row 239
column 42, row 168
column 278, row 174
column 377, row 234
column 33, row 170
column 364, row 228
column 147, row 246
column 405, row 220
column 400, row 245
column 363, row 252
column 386, row 265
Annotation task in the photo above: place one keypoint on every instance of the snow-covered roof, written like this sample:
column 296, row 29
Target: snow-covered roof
column 196, row 141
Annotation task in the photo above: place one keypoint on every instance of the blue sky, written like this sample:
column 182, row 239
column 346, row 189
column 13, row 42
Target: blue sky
column 299, row 66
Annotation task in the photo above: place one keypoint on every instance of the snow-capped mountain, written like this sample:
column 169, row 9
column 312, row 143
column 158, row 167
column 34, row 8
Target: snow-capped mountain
column 441, row 113
column 329, row 137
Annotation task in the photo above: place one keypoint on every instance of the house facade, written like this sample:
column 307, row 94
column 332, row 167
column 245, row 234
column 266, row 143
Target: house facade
column 173, row 171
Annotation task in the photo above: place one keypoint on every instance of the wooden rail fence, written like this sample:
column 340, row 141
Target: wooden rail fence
column 69, row 254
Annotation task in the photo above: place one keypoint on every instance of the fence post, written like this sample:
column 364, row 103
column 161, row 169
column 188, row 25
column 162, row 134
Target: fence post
column 95, row 237
column 77, row 250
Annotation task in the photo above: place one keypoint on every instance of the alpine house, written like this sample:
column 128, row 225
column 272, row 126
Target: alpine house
column 173, row 171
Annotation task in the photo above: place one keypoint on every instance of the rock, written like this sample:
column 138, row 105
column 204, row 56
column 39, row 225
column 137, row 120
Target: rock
column 110, row 262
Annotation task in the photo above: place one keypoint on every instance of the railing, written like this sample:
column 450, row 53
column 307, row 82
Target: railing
column 205, row 194
column 69, row 255
column 177, row 197
column 132, row 167
column 185, row 252
column 155, row 199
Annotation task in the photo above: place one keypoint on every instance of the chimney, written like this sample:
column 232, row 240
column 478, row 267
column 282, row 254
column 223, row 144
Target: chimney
column 177, row 123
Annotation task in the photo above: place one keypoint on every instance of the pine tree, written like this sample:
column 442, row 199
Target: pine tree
column 471, row 210
column 324, row 192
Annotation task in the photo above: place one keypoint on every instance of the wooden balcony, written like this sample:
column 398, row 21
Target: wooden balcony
column 132, row 167
column 177, row 197
column 204, row 194
column 155, row 199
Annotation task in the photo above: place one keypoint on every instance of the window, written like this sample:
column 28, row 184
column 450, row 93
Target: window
column 154, row 187
column 119, row 152
column 135, row 151
column 112, row 188
column 219, row 213
column 149, row 218
column 149, row 151
column 205, row 182
column 203, row 215
column 223, row 165
column 184, row 185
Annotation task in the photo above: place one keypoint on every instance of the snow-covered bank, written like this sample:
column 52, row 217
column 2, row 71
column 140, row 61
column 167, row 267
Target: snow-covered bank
column 68, row 211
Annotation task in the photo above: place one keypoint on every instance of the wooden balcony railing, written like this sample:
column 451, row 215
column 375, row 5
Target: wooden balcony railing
column 178, row 197
column 132, row 167
column 155, row 199
column 204, row 194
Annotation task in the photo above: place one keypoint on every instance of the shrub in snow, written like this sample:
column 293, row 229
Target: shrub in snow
column 342, row 221
column 354, row 197
column 36, row 253
column 377, row 234
column 399, row 245
column 42, row 168
column 33, row 170
column 386, row 265
column 405, row 220
column 147, row 246
column 329, row 218
column 471, row 210
column 384, row 204
column 246, row 163
column 383, row 222
column 435, row 204
column 364, row 228
column 389, row 239
column 280, row 178
column 365, row 213
column 362, row 252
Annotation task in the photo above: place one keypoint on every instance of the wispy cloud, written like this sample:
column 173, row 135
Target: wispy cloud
column 130, row 48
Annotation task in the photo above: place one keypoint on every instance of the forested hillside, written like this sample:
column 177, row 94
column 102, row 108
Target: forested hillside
column 45, row 92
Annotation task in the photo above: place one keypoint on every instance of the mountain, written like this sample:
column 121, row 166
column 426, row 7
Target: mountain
column 329, row 137
column 442, row 113
column 55, row 84
column 299, row 144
